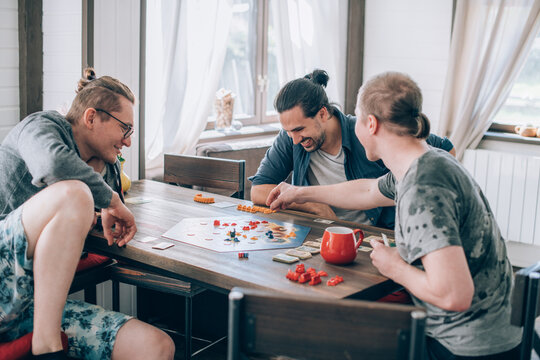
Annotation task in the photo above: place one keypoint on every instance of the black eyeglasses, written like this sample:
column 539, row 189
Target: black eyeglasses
column 129, row 128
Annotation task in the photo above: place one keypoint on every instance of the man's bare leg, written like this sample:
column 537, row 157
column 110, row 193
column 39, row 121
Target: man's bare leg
column 138, row 340
column 56, row 221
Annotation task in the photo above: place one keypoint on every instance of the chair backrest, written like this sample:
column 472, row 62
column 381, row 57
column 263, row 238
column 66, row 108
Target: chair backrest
column 263, row 323
column 206, row 172
column 525, row 305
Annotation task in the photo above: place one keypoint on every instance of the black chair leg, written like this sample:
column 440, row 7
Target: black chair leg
column 116, row 295
column 187, row 330
column 90, row 294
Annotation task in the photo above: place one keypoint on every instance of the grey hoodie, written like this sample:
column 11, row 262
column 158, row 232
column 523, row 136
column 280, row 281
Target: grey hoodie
column 40, row 151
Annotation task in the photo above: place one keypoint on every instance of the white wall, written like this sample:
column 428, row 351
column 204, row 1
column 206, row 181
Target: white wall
column 410, row 36
column 116, row 53
column 62, row 34
column 9, row 66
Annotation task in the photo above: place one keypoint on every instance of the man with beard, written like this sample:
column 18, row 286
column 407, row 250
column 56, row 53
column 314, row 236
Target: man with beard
column 318, row 144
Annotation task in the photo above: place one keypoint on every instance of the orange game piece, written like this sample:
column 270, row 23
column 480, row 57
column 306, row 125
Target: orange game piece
column 201, row 199
column 254, row 209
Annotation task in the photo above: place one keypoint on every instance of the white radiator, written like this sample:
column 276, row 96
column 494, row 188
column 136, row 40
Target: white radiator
column 511, row 183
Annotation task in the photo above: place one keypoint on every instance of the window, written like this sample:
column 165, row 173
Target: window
column 244, row 67
column 271, row 42
column 522, row 107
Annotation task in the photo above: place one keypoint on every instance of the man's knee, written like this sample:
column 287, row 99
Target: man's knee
column 74, row 197
column 164, row 346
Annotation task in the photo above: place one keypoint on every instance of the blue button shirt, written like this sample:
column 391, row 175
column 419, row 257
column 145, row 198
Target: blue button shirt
column 283, row 157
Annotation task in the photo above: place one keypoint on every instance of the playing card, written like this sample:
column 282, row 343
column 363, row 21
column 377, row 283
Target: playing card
column 284, row 258
column 309, row 249
column 324, row 221
column 137, row 200
column 162, row 246
column 147, row 239
column 302, row 255
column 313, row 244
column 223, row 204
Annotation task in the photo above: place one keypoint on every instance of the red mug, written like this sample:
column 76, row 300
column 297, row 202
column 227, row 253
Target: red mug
column 339, row 244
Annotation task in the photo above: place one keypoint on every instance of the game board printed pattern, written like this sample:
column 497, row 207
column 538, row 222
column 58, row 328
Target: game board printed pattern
column 241, row 233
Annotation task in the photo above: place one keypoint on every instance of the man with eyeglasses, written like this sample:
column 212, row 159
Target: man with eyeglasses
column 55, row 170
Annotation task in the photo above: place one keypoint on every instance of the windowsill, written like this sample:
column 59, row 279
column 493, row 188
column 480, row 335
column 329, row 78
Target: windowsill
column 509, row 137
column 244, row 132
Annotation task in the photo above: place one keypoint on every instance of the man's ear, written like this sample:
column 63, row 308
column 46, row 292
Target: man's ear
column 373, row 124
column 89, row 118
column 323, row 114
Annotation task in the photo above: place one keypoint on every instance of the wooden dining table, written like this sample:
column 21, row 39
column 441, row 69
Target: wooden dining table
column 161, row 206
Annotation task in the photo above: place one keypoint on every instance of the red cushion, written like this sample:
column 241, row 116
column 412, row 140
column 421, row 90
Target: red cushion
column 21, row 348
column 400, row 297
column 91, row 261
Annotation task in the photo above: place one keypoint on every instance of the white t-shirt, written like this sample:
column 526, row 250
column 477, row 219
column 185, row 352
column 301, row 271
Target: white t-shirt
column 327, row 169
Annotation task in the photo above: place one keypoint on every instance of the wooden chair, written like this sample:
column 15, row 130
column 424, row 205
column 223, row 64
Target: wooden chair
column 271, row 324
column 525, row 308
column 206, row 172
column 192, row 171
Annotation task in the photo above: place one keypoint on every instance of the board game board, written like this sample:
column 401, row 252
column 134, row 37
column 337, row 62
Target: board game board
column 239, row 233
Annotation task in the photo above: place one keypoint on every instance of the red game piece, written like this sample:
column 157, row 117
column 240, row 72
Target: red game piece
column 312, row 271
column 315, row 280
column 300, row 268
column 322, row 273
column 305, row 277
column 335, row 280
column 225, row 224
column 293, row 276
column 216, row 223
column 233, row 224
column 264, row 222
column 245, row 228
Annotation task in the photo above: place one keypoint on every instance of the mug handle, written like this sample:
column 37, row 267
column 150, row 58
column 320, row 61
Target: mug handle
column 360, row 237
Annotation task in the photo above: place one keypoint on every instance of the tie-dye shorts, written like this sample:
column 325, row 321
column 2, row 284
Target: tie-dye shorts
column 91, row 329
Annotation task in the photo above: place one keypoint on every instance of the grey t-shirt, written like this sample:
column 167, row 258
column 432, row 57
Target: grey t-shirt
column 40, row 151
column 438, row 204
column 327, row 169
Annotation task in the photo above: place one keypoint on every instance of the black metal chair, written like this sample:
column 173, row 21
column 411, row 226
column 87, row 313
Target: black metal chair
column 525, row 305
column 263, row 324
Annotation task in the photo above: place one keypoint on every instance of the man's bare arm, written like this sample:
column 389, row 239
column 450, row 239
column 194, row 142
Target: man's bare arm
column 259, row 194
column 361, row 194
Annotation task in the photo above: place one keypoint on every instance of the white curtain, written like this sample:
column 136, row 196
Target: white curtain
column 311, row 34
column 185, row 57
column 490, row 43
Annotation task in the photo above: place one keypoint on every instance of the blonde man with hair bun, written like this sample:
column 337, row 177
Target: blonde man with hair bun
column 55, row 171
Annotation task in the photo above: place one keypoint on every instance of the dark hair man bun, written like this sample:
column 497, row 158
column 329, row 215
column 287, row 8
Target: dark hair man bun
column 319, row 77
